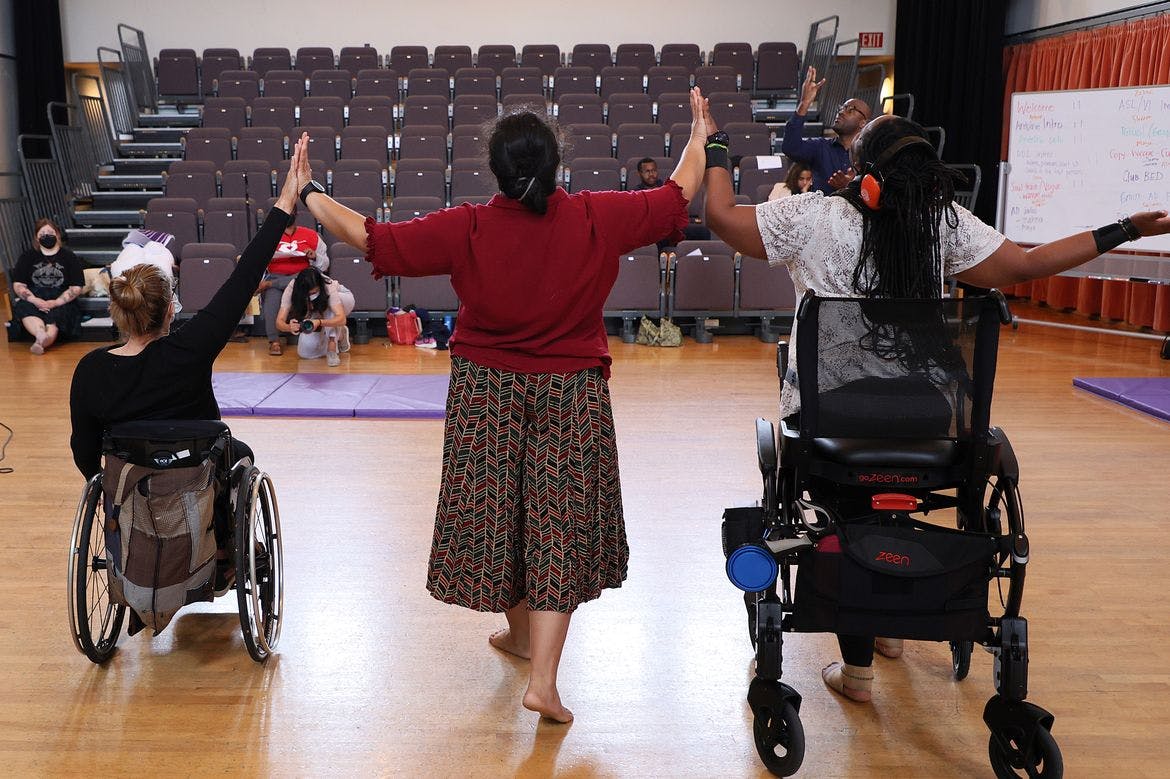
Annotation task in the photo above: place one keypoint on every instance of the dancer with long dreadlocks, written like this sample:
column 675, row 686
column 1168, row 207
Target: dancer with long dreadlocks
column 895, row 232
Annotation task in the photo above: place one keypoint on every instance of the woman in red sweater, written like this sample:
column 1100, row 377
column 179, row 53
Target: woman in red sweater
column 529, row 521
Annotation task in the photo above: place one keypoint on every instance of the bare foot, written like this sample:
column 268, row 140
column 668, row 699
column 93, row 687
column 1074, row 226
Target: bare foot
column 38, row 346
column 502, row 640
column 549, row 706
column 889, row 647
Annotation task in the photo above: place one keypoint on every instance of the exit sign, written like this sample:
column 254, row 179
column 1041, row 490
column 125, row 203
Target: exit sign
column 871, row 40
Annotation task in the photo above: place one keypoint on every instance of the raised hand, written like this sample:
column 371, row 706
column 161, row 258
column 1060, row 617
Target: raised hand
column 287, row 200
column 809, row 90
column 300, row 162
column 1151, row 222
column 700, row 112
column 840, row 178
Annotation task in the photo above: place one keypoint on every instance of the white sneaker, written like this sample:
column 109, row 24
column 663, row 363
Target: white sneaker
column 332, row 359
column 343, row 341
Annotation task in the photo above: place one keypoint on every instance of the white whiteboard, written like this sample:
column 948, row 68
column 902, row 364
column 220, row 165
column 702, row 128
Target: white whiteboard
column 1079, row 159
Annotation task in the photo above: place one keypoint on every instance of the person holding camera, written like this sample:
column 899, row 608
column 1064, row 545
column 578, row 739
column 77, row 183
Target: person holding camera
column 299, row 248
column 315, row 308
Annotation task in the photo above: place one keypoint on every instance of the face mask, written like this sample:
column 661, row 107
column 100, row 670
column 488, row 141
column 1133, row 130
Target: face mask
column 48, row 240
column 314, row 295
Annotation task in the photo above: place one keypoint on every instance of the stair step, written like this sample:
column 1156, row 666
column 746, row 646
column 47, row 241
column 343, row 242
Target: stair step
column 95, row 238
column 172, row 149
column 138, row 166
column 94, row 217
column 189, row 118
column 95, row 257
column 130, row 181
column 159, row 134
column 124, row 198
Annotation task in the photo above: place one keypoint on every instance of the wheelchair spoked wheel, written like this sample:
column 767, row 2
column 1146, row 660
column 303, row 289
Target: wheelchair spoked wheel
column 1013, row 755
column 961, row 659
column 259, row 564
column 95, row 621
column 779, row 737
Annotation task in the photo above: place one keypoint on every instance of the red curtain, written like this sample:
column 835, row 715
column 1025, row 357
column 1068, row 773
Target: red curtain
column 1135, row 53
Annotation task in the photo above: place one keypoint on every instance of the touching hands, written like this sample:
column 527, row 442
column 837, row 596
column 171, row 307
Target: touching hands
column 841, row 178
column 809, row 89
column 1151, row 222
column 300, row 162
column 699, row 113
column 291, row 190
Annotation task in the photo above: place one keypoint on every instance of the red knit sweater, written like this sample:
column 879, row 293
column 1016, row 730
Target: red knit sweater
column 531, row 287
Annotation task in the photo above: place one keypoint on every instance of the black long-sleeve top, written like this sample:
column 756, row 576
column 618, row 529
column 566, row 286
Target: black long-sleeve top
column 171, row 377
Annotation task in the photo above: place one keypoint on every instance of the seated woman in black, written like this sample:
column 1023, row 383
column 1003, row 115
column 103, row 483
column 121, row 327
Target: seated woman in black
column 157, row 374
column 47, row 281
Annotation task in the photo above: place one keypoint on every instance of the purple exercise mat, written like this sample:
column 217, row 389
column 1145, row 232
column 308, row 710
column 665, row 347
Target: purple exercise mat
column 1151, row 396
column 239, row 393
column 406, row 397
column 317, row 395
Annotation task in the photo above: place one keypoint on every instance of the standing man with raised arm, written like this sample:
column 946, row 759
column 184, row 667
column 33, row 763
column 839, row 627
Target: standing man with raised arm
column 828, row 157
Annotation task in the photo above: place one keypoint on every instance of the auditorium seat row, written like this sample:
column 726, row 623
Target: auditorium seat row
column 182, row 73
column 432, row 177
column 236, row 113
column 273, row 144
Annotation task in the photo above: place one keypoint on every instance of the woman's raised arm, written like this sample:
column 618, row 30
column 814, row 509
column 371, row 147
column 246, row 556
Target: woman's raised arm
column 344, row 222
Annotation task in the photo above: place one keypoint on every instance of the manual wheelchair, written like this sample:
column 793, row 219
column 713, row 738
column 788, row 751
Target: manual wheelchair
column 894, row 426
column 231, row 507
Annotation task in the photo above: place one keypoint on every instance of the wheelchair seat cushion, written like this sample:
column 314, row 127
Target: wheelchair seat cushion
column 166, row 443
column 888, row 453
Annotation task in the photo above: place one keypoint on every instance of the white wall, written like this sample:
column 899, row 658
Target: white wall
column 1024, row 15
column 247, row 24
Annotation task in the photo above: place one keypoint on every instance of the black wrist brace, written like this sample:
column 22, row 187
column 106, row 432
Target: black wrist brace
column 1114, row 234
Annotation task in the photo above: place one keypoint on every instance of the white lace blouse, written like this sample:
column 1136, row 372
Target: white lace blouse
column 818, row 239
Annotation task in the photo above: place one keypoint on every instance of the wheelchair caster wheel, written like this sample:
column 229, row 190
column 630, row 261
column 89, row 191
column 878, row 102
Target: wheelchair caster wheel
column 779, row 737
column 95, row 621
column 961, row 659
column 1014, row 754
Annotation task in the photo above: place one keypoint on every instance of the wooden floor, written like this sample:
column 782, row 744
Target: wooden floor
column 374, row 678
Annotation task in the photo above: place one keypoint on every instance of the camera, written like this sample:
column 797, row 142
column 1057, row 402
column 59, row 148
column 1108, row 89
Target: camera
column 308, row 326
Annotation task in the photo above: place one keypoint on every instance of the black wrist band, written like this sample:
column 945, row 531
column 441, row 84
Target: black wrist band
column 716, row 155
column 308, row 189
column 1110, row 236
column 1127, row 225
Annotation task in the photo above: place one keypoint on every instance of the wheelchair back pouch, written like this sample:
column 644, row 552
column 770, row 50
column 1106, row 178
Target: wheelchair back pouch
column 899, row 581
column 160, row 537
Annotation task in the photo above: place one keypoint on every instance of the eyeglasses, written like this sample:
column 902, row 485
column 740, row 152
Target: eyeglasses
column 846, row 107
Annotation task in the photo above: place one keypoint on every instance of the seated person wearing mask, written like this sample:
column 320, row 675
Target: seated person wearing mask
column 298, row 247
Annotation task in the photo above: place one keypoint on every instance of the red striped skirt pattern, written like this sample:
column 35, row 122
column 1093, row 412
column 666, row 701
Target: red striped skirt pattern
column 530, row 502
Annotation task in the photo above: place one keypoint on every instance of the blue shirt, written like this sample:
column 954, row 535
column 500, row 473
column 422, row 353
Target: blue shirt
column 825, row 156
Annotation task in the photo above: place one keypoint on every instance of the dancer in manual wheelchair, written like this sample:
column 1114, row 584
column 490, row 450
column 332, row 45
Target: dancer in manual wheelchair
column 149, row 407
column 893, row 234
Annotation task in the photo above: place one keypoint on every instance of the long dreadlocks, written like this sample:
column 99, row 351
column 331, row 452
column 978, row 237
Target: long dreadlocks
column 900, row 245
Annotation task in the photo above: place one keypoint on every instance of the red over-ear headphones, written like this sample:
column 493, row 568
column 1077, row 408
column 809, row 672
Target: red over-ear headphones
column 871, row 180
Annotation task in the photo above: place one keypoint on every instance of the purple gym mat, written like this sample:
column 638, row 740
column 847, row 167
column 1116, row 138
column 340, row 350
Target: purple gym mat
column 317, row 395
column 406, row 397
column 1151, row 396
column 239, row 393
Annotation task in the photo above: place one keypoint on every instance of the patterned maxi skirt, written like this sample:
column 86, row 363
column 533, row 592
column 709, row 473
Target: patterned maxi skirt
column 530, row 501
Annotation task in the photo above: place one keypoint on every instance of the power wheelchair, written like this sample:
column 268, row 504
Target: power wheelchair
column 893, row 429
column 228, row 506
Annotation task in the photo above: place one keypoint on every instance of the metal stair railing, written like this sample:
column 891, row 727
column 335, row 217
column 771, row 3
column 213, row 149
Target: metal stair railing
column 137, row 60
